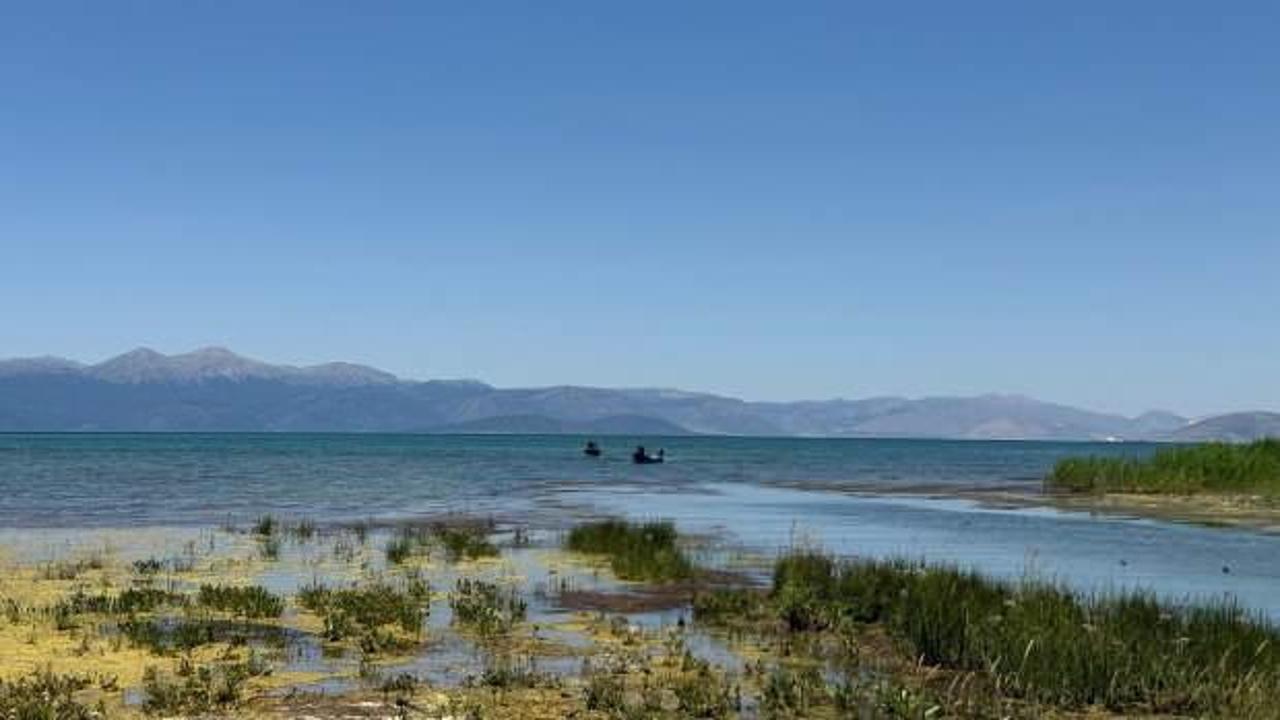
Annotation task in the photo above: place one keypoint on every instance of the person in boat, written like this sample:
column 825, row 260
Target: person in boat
column 642, row 456
column 592, row 449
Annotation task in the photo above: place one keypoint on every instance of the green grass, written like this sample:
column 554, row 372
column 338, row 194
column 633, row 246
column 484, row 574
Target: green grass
column 198, row 690
column 1037, row 642
column 464, row 542
column 486, row 608
column 1252, row 468
column 460, row 541
column 266, row 526
column 637, row 551
column 364, row 612
column 399, row 548
column 247, row 602
column 129, row 602
column 45, row 695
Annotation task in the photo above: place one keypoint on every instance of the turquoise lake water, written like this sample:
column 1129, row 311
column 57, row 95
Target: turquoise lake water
column 855, row 497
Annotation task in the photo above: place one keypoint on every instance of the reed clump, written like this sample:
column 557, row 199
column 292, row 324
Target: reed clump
column 199, row 690
column 459, row 541
column 1039, row 642
column 487, row 608
column 45, row 694
column 248, row 602
column 646, row 551
column 365, row 612
column 1222, row 468
column 469, row 542
column 128, row 602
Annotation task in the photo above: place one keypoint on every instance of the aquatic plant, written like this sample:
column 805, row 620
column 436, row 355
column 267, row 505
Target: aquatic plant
column 486, row 608
column 269, row 548
column 1037, row 641
column 463, row 541
column 128, row 602
column 150, row 566
column 248, row 602
column 637, row 551
column 793, row 692
column 504, row 672
column 1252, row 468
column 304, row 531
column 45, row 695
column 359, row 611
column 265, row 526
column 198, row 690
column 166, row 635
column 73, row 569
column 399, row 549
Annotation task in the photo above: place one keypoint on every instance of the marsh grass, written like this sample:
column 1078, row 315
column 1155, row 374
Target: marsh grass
column 487, row 608
column 637, row 551
column 1252, row 468
column 400, row 548
column 1038, row 642
column 193, row 690
column 167, row 635
column 44, row 694
column 504, row 672
column 73, row 569
column 128, row 602
column 266, row 526
column 269, row 548
column 458, row 540
column 679, row 686
column 251, row 602
column 302, row 532
column 365, row 612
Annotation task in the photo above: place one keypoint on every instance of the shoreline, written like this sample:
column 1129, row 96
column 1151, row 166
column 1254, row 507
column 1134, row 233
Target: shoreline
column 1235, row 512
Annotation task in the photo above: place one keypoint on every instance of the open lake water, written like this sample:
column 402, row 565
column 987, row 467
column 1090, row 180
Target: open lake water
column 907, row 498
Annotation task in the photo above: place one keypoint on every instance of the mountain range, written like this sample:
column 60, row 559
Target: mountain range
column 214, row 389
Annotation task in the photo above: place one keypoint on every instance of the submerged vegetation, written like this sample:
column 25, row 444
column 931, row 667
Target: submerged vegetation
column 1221, row 468
column 636, row 551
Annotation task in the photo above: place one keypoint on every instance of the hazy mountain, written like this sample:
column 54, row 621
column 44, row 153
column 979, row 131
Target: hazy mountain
column 216, row 389
column 1237, row 427
column 541, row 424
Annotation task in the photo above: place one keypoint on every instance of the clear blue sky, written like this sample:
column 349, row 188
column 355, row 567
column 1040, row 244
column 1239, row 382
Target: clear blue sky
column 1078, row 201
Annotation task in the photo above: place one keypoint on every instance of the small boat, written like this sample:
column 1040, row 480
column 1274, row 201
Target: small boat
column 592, row 449
column 642, row 457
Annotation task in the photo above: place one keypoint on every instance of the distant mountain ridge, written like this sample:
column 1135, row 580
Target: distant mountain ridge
column 214, row 389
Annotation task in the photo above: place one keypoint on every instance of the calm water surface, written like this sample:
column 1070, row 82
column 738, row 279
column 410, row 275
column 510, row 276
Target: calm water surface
column 866, row 497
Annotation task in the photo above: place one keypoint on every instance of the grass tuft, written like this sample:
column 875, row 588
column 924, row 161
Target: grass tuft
column 247, row 602
column 485, row 607
column 43, row 694
column 637, row 551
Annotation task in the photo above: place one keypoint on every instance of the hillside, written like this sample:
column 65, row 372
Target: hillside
column 214, row 389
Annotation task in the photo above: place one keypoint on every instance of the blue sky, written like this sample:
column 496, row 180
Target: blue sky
column 1077, row 201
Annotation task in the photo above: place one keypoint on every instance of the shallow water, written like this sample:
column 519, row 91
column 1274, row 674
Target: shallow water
column 59, row 492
